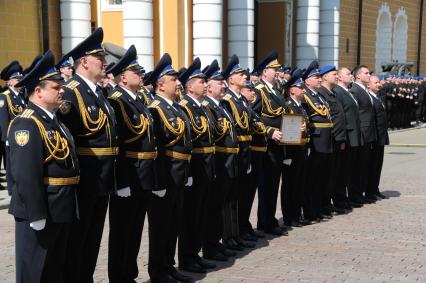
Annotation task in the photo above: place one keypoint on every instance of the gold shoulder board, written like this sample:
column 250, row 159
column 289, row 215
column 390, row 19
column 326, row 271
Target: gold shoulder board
column 116, row 95
column 155, row 103
column 205, row 103
column 227, row 96
column 27, row 113
column 72, row 84
column 183, row 102
column 6, row 92
column 259, row 86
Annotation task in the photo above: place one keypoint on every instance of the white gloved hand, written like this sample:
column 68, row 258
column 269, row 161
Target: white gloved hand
column 287, row 161
column 124, row 192
column 38, row 225
column 160, row 193
column 189, row 182
column 309, row 151
column 249, row 169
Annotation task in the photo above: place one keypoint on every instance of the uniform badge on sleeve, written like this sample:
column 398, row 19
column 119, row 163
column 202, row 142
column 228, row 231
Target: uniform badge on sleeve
column 22, row 137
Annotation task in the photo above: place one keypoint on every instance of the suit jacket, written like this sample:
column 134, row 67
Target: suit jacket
column 38, row 187
column 91, row 120
column 241, row 115
column 320, row 125
column 366, row 113
column 350, row 108
column 381, row 121
column 337, row 114
column 173, row 132
column 11, row 105
column 202, row 162
column 225, row 138
column 136, row 139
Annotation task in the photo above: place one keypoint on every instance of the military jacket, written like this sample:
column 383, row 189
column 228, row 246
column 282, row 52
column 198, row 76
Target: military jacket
column 91, row 120
column 146, row 95
column 11, row 105
column 320, row 125
column 225, row 139
column 43, row 167
column 138, row 150
column 173, row 132
column 337, row 114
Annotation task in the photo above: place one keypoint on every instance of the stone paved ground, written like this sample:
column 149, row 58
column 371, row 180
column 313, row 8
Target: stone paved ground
column 383, row 242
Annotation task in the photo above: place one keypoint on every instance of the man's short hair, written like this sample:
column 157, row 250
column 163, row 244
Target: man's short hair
column 358, row 69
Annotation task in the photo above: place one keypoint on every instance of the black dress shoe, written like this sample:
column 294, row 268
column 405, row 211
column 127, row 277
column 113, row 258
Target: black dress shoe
column 2, row 188
column 194, row 268
column 276, row 231
column 382, row 196
column 306, row 222
column 355, row 204
column 216, row 257
column 205, row 264
column 249, row 237
column 369, row 200
column 340, row 210
column 295, row 223
column 245, row 244
column 166, row 278
column 229, row 244
column 228, row 253
column 257, row 234
column 180, row 277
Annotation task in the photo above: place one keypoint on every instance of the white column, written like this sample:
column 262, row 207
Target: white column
column 329, row 33
column 138, row 30
column 241, row 31
column 75, row 22
column 207, row 30
column 288, row 33
column 307, row 34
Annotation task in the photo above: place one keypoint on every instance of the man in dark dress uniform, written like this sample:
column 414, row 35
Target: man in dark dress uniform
column 382, row 137
column 293, row 193
column 321, row 146
column 173, row 132
column 368, row 130
column 12, row 103
column 91, row 121
column 226, row 163
column 201, row 170
column 44, row 167
column 235, row 104
column 336, row 192
column 269, row 104
column 350, row 177
column 136, row 177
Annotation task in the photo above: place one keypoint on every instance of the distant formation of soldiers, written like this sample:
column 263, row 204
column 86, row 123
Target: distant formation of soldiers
column 187, row 149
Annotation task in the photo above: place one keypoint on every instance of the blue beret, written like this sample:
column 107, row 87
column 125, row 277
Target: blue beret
column 326, row 69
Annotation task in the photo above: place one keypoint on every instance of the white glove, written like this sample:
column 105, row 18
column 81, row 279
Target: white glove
column 287, row 161
column 189, row 182
column 309, row 151
column 38, row 225
column 249, row 169
column 124, row 192
column 7, row 143
column 160, row 193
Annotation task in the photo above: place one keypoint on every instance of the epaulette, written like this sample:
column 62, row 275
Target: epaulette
column 72, row 84
column 116, row 95
column 27, row 113
column 154, row 103
column 6, row 92
column 288, row 102
column 205, row 103
column 259, row 86
column 183, row 102
column 227, row 96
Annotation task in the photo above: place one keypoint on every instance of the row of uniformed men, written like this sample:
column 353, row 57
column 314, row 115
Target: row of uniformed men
column 192, row 167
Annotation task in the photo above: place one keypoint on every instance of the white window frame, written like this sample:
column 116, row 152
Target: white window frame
column 106, row 7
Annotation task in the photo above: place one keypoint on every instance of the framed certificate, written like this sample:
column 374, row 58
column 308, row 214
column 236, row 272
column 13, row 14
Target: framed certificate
column 290, row 128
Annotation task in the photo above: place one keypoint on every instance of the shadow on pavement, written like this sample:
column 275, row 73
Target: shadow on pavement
column 392, row 194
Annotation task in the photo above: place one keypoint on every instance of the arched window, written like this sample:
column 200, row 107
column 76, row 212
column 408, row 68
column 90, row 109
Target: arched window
column 383, row 36
column 400, row 31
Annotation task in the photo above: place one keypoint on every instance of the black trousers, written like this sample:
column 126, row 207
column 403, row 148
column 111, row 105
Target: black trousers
column 318, row 177
column 126, row 221
column 339, row 176
column 353, row 165
column 164, row 222
column 191, row 230
column 250, row 183
column 85, row 238
column 366, row 168
column 378, row 155
column 273, row 162
column 40, row 255
column 230, row 209
column 293, row 184
column 214, row 217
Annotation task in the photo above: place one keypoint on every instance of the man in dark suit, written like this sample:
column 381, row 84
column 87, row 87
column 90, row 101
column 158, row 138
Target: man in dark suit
column 91, row 120
column 368, row 129
column 321, row 142
column 173, row 131
column 350, row 176
column 226, row 161
column 382, row 137
column 45, row 178
column 337, row 193
column 201, row 171
column 136, row 174
column 269, row 104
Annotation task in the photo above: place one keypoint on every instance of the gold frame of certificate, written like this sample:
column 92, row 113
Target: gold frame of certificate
column 290, row 129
